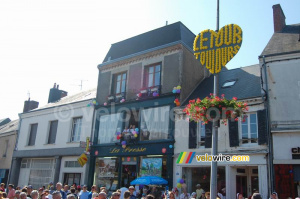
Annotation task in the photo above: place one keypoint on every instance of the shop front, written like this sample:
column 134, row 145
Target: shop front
column 117, row 167
column 132, row 140
column 232, row 177
column 287, row 164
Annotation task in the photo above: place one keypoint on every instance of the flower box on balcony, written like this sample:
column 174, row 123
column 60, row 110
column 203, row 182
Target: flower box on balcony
column 153, row 89
column 110, row 98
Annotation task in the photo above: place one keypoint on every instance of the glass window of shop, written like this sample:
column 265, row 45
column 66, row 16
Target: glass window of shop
column 201, row 175
column 109, row 125
column 106, row 173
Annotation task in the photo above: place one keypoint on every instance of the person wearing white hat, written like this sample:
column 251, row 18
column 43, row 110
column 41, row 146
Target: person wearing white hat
column 199, row 191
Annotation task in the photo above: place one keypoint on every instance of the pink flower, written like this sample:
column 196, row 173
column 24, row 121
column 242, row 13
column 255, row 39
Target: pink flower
column 234, row 98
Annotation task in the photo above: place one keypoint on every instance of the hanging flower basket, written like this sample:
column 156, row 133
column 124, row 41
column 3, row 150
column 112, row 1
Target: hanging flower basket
column 214, row 107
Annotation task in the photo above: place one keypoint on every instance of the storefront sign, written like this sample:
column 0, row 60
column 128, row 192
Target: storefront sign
column 127, row 150
column 82, row 160
column 295, row 150
column 216, row 49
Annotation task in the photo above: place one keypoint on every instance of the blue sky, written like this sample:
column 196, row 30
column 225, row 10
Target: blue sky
column 43, row 42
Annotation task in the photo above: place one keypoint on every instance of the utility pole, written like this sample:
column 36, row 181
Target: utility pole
column 214, row 148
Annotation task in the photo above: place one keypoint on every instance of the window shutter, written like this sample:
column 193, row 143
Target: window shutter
column 192, row 135
column 233, row 133
column 208, row 134
column 262, row 126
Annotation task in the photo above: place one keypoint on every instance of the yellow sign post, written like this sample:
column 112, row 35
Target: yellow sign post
column 82, row 160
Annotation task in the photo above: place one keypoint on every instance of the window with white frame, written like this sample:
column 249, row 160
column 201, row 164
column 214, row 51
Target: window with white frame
column 41, row 172
column 76, row 129
column 200, row 135
column 249, row 130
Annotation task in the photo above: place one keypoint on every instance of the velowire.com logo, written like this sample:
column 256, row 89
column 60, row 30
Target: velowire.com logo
column 187, row 158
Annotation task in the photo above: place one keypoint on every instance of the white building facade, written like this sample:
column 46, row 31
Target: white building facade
column 280, row 62
column 48, row 144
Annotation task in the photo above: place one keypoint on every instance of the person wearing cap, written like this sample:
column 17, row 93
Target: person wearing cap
column 193, row 195
column 11, row 192
column 199, row 191
column 49, row 185
column 17, row 194
column 131, row 190
column 202, row 196
column 84, row 194
column 78, row 189
column 41, row 190
column 29, row 190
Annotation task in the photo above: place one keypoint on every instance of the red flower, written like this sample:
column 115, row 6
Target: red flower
column 236, row 119
column 211, row 94
column 234, row 98
column 198, row 100
column 220, row 106
column 222, row 95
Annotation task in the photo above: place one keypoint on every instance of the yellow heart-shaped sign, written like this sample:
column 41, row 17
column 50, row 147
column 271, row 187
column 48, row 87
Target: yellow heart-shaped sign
column 216, row 49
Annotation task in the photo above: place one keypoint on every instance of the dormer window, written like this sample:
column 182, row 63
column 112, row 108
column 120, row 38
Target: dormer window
column 229, row 84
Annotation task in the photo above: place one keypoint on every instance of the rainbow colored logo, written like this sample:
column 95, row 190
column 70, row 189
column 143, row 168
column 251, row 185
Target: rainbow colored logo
column 185, row 157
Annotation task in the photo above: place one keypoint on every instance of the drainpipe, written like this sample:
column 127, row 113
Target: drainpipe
column 270, row 140
column 9, row 180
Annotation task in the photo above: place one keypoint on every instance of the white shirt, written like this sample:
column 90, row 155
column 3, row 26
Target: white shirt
column 183, row 196
column 123, row 189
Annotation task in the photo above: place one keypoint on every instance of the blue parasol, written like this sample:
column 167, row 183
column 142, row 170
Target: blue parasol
column 149, row 180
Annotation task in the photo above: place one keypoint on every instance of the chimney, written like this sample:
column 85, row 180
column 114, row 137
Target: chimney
column 55, row 94
column 278, row 17
column 30, row 105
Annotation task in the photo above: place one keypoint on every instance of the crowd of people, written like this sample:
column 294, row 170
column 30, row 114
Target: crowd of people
column 81, row 192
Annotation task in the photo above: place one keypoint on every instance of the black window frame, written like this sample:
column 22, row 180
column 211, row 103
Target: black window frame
column 51, row 133
column 32, row 138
